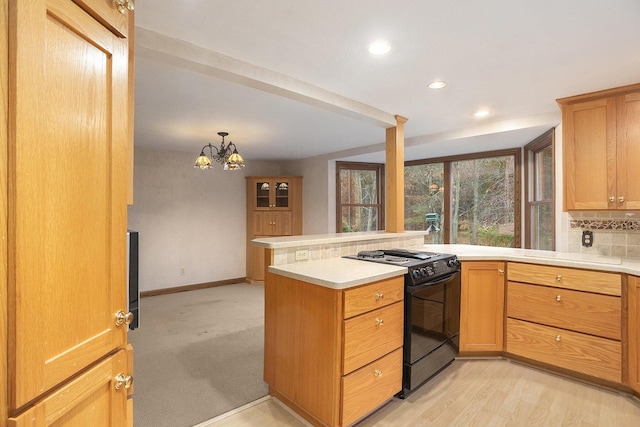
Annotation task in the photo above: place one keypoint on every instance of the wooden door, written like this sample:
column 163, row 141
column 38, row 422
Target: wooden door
column 67, row 192
column 482, row 307
column 628, row 151
column 589, row 150
column 633, row 328
column 89, row 400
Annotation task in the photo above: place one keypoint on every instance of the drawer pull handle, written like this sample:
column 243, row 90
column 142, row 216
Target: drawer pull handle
column 558, row 298
column 379, row 322
column 559, row 277
column 379, row 296
column 377, row 373
column 558, row 338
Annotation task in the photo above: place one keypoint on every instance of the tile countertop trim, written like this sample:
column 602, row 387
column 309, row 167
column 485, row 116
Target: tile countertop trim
column 530, row 256
column 327, row 239
column 338, row 273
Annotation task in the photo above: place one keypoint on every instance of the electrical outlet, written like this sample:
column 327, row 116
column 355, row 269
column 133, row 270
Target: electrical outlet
column 587, row 238
column 182, row 271
column 302, row 254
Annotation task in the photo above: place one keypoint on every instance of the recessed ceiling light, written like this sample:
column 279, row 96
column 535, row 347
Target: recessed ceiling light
column 379, row 47
column 437, row 84
column 481, row 113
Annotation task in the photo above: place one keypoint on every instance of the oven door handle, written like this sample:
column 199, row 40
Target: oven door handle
column 412, row 289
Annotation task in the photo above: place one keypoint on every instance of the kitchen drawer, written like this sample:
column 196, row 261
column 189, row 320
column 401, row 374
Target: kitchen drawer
column 369, row 297
column 568, row 278
column 593, row 314
column 372, row 335
column 598, row 357
column 370, row 386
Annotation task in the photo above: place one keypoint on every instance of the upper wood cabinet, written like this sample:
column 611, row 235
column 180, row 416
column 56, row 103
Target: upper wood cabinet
column 274, row 208
column 601, row 142
column 66, row 237
column 482, row 307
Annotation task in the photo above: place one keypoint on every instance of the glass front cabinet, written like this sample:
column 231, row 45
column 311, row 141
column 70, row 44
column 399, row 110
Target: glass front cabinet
column 272, row 193
column 274, row 208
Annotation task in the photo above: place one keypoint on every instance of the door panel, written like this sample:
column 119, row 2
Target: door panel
column 89, row 400
column 67, row 194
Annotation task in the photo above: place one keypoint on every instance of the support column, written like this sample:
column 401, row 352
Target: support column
column 394, row 177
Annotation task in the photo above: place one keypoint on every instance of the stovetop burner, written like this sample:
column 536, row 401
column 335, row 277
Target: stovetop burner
column 370, row 254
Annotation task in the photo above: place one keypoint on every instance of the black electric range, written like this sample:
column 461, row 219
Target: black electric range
column 423, row 266
column 431, row 311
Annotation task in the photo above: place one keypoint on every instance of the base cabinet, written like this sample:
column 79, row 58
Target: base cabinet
column 567, row 318
column 482, row 307
column 333, row 356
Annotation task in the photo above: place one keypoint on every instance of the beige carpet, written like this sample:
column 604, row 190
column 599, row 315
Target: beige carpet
column 198, row 354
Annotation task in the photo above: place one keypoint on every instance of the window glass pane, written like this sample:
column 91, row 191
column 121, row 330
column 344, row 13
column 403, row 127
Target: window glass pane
column 424, row 188
column 483, row 201
column 542, row 226
column 544, row 174
column 358, row 186
column 359, row 218
column 282, row 194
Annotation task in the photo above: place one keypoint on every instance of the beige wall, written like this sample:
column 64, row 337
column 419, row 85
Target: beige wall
column 189, row 218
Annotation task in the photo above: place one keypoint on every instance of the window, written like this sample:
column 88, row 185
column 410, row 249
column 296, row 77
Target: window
column 471, row 199
column 539, row 177
column 360, row 196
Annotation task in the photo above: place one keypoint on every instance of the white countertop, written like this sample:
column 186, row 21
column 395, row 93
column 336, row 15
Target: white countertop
column 341, row 273
column 326, row 239
column 561, row 259
column 338, row 273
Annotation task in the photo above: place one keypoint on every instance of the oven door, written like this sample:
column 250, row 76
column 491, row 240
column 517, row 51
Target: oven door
column 432, row 317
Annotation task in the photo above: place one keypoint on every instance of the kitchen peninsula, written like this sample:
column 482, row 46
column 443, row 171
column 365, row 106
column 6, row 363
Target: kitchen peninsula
column 309, row 366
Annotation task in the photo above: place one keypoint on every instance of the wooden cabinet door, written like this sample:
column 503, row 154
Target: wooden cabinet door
column 89, row 400
column 633, row 329
column 628, row 151
column 482, row 307
column 589, row 150
column 67, row 196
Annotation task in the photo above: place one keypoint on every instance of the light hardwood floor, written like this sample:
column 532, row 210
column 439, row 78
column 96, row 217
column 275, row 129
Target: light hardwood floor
column 480, row 392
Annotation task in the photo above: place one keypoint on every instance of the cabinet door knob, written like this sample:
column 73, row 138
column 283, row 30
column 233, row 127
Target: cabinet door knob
column 379, row 296
column 377, row 373
column 558, row 298
column 501, row 271
column 379, row 322
column 621, row 199
column 558, row 338
column 124, row 319
column 123, row 380
column 612, row 199
column 124, row 5
column 559, row 277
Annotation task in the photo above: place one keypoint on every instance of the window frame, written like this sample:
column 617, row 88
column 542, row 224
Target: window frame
column 534, row 147
column 380, row 177
column 517, row 186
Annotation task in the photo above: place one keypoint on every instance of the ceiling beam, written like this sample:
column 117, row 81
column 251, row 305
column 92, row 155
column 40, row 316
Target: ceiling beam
column 180, row 53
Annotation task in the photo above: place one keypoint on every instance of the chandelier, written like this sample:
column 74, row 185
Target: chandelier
column 225, row 155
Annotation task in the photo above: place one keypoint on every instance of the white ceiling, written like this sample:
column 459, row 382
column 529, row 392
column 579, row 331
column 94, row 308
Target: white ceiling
column 291, row 79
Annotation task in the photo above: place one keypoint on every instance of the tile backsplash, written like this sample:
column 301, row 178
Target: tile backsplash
column 615, row 234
